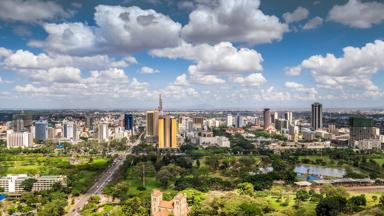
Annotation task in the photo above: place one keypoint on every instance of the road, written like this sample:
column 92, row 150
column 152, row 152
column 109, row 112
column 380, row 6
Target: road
column 102, row 181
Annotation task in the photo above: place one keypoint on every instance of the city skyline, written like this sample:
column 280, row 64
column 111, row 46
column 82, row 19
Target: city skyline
column 253, row 54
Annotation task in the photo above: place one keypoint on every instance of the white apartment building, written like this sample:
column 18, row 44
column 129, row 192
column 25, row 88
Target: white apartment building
column 368, row 144
column 19, row 139
column 13, row 183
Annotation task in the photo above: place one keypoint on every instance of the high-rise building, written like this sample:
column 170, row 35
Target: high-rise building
column 267, row 118
column 239, row 121
column 102, row 132
column 51, row 133
column 68, row 130
column 167, row 134
column 128, row 122
column 22, row 121
column 274, row 117
column 19, row 139
column 18, row 125
column 198, row 122
column 229, row 120
column 361, row 128
column 281, row 124
column 41, row 130
column 317, row 116
column 152, row 119
column 288, row 116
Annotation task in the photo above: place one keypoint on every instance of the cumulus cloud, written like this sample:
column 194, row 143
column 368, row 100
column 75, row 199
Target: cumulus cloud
column 231, row 20
column 254, row 79
column 63, row 74
column 353, row 70
column 30, row 10
column 297, row 15
column 23, row 59
column 358, row 14
column 148, row 70
column 29, row 88
column 182, row 80
column 313, row 23
column 118, row 30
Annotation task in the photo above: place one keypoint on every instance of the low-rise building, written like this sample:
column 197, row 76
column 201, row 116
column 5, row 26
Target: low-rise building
column 13, row 183
column 368, row 144
column 178, row 206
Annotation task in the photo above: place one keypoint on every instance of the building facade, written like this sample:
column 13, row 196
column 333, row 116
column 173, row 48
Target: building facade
column 13, row 183
column 41, row 130
column 267, row 118
column 19, row 139
column 128, row 122
column 178, row 206
column 167, row 132
column 317, row 116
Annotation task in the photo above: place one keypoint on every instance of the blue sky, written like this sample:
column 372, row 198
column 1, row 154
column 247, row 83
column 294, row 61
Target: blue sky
column 226, row 54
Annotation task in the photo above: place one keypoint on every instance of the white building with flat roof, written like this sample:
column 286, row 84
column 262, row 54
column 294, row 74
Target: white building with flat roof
column 19, row 139
column 13, row 183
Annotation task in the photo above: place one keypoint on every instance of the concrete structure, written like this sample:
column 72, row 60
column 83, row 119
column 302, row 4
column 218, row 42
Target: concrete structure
column 198, row 123
column 317, row 116
column 220, row 141
column 289, row 117
column 102, row 132
column 267, row 118
column 13, row 183
column 178, row 206
column 167, row 132
column 274, row 117
column 368, row 144
column 229, row 121
column 19, row 139
column 239, row 121
column 68, row 130
column 41, row 130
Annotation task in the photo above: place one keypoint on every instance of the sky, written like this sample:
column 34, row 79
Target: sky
column 198, row 54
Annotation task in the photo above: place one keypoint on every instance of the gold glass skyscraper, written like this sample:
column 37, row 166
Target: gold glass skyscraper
column 167, row 133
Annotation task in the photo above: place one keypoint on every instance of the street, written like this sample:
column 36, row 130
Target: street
column 103, row 180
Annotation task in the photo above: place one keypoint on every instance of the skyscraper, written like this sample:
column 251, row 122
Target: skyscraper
column 128, row 122
column 274, row 117
column 229, row 120
column 167, row 132
column 317, row 116
column 267, row 118
column 239, row 121
column 160, row 103
column 68, row 130
column 41, row 130
column 288, row 116
column 361, row 128
column 152, row 119
column 102, row 132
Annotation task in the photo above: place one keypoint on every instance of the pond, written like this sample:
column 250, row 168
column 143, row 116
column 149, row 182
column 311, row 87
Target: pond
column 320, row 171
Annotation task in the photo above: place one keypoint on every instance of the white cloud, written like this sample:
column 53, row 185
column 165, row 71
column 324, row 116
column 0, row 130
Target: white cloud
column 254, row 79
column 309, row 93
column 297, row 15
column 110, row 74
column 148, row 70
column 119, row 30
column 293, row 71
column 64, row 75
column 30, row 10
column 5, row 52
column 23, row 59
column 313, row 23
column 182, row 80
column 231, row 20
column 357, row 14
column 29, row 88
column 353, row 70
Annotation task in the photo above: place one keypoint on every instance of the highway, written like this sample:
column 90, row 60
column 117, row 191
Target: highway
column 102, row 181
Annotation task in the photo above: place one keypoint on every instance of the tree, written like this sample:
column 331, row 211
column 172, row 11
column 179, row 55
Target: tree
column 27, row 184
column 302, row 195
column 381, row 200
column 356, row 203
column 331, row 206
column 168, row 174
column 245, row 188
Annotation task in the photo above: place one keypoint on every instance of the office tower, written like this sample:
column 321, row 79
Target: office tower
column 288, row 116
column 274, row 117
column 51, row 133
column 152, row 119
column 317, row 116
column 18, row 125
column 89, row 122
column 167, row 134
column 22, row 121
column 332, row 128
column 19, row 139
column 160, row 108
column 68, row 130
column 229, row 121
column 102, row 132
column 128, row 122
column 267, row 118
column 281, row 124
column 198, row 122
column 239, row 121
column 41, row 130
column 361, row 128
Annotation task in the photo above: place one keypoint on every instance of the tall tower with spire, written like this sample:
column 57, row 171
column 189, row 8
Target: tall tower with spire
column 160, row 103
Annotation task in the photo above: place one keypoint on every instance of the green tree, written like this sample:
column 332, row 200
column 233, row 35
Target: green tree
column 331, row 206
column 27, row 184
column 245, row 188
column 302, row 195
